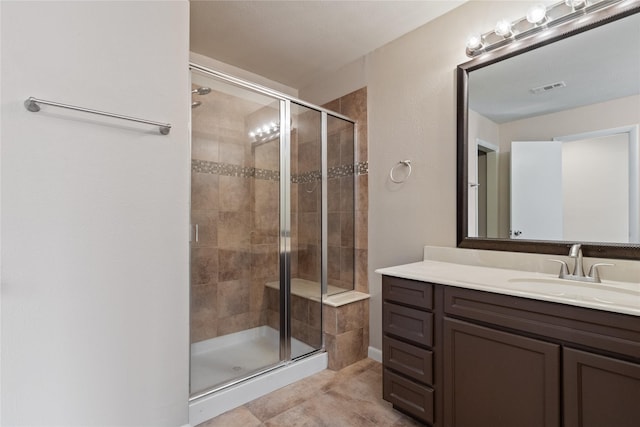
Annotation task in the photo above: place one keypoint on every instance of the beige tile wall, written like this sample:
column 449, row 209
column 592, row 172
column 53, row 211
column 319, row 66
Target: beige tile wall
column 307, row 240
column 346, row 333
column 352, row 232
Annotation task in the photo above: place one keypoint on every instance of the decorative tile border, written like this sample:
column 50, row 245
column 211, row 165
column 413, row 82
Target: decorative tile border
column 266, row 174
column 203, row 166
column 226, row 169
column 362, row 168
column 306, row 177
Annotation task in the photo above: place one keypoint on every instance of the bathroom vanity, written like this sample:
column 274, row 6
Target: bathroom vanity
column 475, row 346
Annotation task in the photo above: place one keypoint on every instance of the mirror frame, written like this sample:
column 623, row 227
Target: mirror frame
column 600, row 250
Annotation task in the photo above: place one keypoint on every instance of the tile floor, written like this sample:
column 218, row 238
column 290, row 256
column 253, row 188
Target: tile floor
column 351, row 397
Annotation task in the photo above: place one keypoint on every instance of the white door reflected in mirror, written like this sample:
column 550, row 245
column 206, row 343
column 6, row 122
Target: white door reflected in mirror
column 536, row 190
column 576, row 188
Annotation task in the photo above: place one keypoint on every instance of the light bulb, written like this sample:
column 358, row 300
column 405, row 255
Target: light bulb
column 474, row 42
column 536, row 14
column 252, row 135
column 503, row 28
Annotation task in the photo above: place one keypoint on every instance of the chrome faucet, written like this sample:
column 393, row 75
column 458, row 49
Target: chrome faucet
column 578, row 268
column 576, row 253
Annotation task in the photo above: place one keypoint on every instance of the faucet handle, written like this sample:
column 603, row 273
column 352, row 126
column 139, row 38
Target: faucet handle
column 564, row 268
column 593, row 271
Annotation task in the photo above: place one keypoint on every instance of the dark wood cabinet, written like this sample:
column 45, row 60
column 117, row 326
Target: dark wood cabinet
column 600, row 391
column 457, row 357
column 409, row 347
column 498, row 379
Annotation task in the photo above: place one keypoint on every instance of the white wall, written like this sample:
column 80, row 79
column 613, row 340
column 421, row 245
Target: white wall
column 95, row 215
column 595, row 187
column 411, row 106
column 479, row 127
column 0, row 221
column 604, row 115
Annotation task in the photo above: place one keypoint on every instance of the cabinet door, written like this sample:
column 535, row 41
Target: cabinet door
column 600, row 391
column 494, row 378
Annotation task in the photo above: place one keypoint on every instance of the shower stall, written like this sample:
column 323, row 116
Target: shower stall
column 272, row 213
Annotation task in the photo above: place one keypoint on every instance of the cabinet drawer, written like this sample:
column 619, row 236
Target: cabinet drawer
column 408, row 323
column 615, row 332
column 407, row 359
column 405, row 291
column 413, row 398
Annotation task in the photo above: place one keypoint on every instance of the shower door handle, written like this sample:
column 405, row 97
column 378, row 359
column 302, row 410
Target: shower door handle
column 194, row 233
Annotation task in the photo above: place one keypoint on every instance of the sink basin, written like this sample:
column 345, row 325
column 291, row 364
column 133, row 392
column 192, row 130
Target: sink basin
column 627, row 294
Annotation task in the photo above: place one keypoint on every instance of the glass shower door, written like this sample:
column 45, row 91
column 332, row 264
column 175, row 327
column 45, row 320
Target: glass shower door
column 260, row 226
column 235, row 215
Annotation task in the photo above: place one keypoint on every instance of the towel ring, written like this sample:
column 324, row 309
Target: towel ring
column 406, row 163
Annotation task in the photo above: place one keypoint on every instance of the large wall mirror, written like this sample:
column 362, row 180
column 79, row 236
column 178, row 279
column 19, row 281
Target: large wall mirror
column 548, row 141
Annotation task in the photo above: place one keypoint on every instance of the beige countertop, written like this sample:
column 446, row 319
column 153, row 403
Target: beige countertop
column 619, row 297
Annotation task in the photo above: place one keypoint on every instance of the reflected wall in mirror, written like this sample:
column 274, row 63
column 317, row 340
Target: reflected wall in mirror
column 548, row 150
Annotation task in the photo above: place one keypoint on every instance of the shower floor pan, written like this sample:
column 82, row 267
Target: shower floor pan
column 213, row 362
column 223, row 359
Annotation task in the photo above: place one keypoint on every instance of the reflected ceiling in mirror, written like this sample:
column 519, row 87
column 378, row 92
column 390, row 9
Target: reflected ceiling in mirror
column 575, row 81
column 589, row 68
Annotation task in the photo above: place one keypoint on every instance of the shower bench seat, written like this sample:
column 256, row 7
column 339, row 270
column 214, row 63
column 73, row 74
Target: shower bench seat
column 344, row 313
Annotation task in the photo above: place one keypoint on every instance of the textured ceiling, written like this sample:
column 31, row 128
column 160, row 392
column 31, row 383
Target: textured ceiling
column 293, row 42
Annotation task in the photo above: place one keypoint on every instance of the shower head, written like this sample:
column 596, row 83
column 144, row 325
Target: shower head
column 201, row 91
column 195, row 104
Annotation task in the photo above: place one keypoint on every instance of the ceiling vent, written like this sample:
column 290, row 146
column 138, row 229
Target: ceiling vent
column 547, row 88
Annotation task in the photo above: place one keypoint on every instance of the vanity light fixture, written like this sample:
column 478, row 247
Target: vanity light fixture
column 538, row 18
